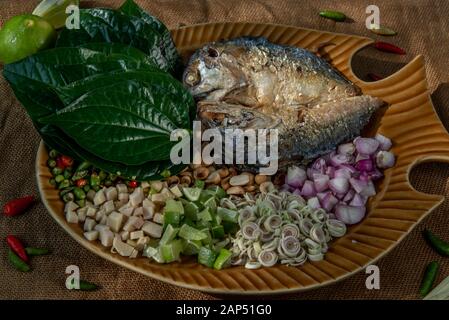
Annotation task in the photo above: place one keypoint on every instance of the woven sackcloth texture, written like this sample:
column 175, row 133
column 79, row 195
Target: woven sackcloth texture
column 422, row 29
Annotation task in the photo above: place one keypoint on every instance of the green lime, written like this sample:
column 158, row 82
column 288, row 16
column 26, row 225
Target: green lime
column 23, row 36
column 192, row 194
column 54, row 11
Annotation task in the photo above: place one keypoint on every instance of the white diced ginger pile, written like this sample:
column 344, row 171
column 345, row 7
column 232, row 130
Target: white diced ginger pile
column 122, row 221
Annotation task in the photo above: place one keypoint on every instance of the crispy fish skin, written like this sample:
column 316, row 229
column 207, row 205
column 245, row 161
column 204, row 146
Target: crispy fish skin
column 250, row 83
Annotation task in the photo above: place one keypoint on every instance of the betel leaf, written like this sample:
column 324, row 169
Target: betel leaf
column 35, row 78
column 119, row 48
column 170, row 52
column 181, row 106
column 107, row 25
column 148, row 171
column 116, row 124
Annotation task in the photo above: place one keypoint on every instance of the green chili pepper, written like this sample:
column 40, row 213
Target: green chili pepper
column 51, row 163
column 102, row 175
column 36, row 251
column 80, row 174
column 112, row 176
column 83, row 166
column 68, row 197
column 53, row 154
column 441, row 246
column 96, row 188
column 18, row 263
column 79, row 193
column 56, row 171
column 333, row 15
column 95, row 180
column 86, row 188
column 67, row 174
column 66, row 190
column 59, row 178
column 87, row 286
column 52, row 182
column 429, row 278
column 64, row 184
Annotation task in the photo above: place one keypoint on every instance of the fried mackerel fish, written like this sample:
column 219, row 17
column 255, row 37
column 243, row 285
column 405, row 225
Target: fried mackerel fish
column 250, row 83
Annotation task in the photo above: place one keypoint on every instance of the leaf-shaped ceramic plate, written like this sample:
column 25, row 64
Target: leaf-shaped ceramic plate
column 410, row 121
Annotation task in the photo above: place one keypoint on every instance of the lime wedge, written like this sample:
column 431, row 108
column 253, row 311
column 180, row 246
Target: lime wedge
column 189, row 233
column 191, row 247
column 54, row 11
column 193, row 194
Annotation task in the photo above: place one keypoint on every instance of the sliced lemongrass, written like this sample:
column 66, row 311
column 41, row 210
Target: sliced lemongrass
column 250, row 230
column 291, row 246
column 253, row 265
column 267, row 258
column 336, row 228
column 290, row 230
column 317, row 234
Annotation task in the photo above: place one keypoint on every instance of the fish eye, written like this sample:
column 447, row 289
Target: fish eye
column 212, row 52
column 192, row 78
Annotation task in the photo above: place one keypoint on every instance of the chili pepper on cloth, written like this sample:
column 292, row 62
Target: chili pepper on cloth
column 17, row 206
column 18, row 263
column 388, row 47
column 36, row 251
column 333, row 15
column 440, row 246
column 16, row 245
column 429, row 278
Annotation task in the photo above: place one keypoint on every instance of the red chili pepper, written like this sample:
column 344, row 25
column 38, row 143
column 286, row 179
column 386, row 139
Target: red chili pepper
column 388, row 47
column 17, row 206
column 81, row 182
column 17, row 246
column 64, row 161
column 133, row 184
column 374, row 77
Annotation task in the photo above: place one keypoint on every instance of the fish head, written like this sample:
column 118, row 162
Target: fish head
column 213, row 71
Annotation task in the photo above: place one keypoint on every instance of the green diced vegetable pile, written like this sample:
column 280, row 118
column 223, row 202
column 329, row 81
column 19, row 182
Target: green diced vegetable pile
column 195, row 225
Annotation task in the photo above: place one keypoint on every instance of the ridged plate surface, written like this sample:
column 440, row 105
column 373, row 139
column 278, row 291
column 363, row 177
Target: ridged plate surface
column 410, row 121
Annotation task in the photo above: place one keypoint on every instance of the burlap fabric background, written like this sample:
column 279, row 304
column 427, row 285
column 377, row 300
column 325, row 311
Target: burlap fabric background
column 423, row 29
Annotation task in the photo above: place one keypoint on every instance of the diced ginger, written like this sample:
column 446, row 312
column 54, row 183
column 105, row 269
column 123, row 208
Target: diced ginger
column 106, row 237
column 123, row 197
column 176, row 191
column 122, row 188
column 127, row 210
column 141, row 243
column 124, row 235
column 122, row 248
column 138, row 211
column 115, row 221
column 131, row 242
column 90, row 195
column 108, row 206
column 89, row 224
column 104, row 220
column 100, row 227
column 145, row 185
column 99, row 198
column 136, row 197
column 158, row 218
column 71, row 217
column 111, row 193
column 82, row 213
column 148, row 209
column 91, row 211
column 136, row 235
column 70, row 206
column 99, row 215
column 158, row 198
column 152, row 229
column 91, row 235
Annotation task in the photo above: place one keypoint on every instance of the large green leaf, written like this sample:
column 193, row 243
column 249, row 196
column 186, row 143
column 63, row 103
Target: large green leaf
column 116, row 124
column 107, row 25
column 181, row 105
column 171, row 54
